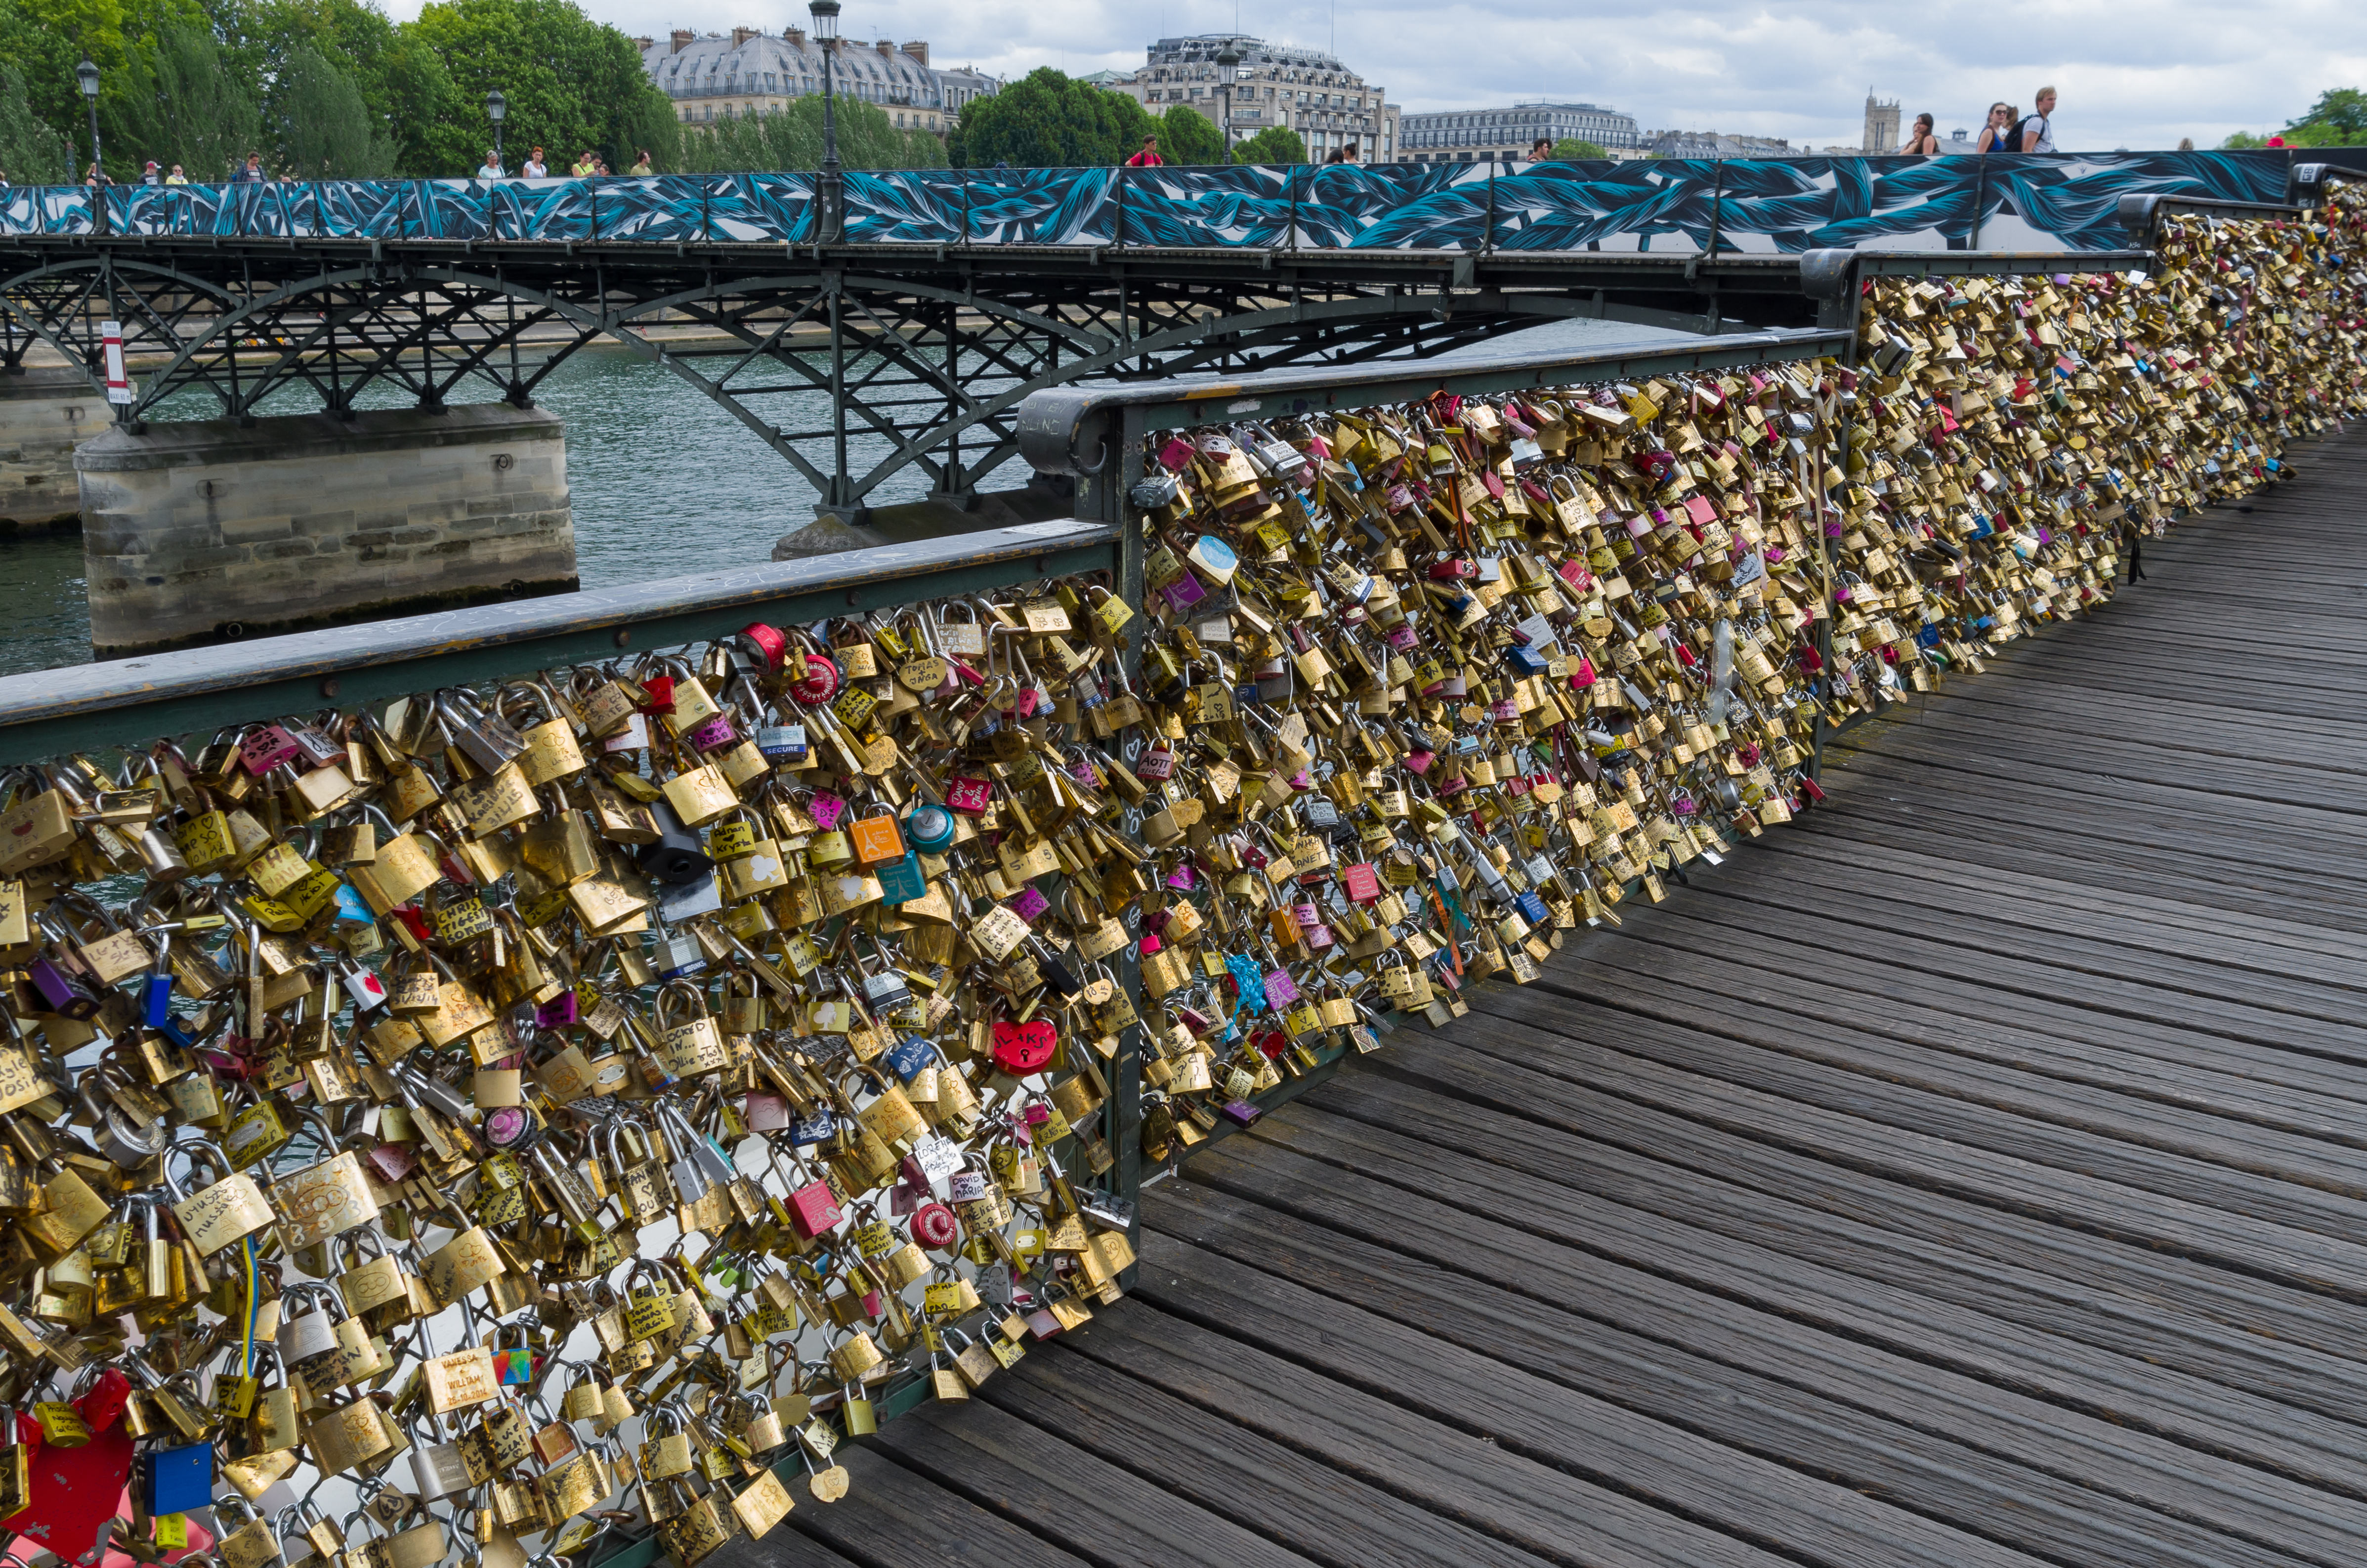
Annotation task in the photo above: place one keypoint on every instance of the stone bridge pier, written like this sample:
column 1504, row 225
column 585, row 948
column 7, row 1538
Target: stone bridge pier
column 45, row 414
column 213, row 529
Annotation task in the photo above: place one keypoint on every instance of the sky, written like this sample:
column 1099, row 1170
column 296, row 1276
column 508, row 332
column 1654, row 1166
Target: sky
column 2137, row 76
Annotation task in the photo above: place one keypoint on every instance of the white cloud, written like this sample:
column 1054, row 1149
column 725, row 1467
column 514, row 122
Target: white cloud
column 2135, row 75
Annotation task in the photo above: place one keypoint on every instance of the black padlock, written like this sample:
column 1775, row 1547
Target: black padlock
column 676, row 856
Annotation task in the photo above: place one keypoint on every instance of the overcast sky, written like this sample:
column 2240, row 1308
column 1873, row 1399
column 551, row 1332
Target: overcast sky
column 2135, row 75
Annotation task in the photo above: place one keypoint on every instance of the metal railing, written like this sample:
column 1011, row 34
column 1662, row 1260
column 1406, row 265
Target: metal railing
column 2063, row 201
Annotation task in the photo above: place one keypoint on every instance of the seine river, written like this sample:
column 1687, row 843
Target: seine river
column 665, row 483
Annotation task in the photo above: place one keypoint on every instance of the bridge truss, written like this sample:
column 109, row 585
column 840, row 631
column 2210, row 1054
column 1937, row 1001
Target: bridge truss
column 927, row 348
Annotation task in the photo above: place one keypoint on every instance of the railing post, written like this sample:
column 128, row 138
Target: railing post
column 1981, row 200
column 1716, row 206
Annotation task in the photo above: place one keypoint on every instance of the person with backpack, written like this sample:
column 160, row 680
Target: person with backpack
column 2036, row 133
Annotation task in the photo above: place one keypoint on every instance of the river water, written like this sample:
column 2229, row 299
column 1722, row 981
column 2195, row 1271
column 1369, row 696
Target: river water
column 665, row 483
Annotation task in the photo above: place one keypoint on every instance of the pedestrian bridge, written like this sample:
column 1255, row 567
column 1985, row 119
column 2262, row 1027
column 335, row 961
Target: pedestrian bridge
column 2055, row 201
column 1971, row 1175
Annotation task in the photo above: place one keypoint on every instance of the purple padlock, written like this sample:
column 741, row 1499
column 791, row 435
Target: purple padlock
column 559, row 1013
column 1186, row 591
column 715, row 732
column 1027, row 904
column 1183, row 879
column 65, row 991
column 1281, row 991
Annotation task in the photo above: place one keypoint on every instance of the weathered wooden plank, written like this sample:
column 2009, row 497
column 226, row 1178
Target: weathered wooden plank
column 2086, row 1094
column 1398, row 1446
column 1868, row 1424
column 892, row 1517
column 1730, row 1448
column 1079, row 1500
column 2056, row 1377
column 2226, row 1192
column 2061, row 1195
column 2197, row 1070
column 1300, row 1501
column 2116, row 1323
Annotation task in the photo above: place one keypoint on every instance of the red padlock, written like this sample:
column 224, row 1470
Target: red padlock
column 935, row 1227
column 770, row 641
column 1021, row 1049
column 821, row 683
column 814, row 1210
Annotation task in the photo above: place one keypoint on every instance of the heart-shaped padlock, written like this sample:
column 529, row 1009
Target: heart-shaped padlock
column 1023, row 1048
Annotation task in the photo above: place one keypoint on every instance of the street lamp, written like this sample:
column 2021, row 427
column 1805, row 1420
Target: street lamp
column 828, row 191
column 87, row 74
column 497, row 109
column 1227, row 58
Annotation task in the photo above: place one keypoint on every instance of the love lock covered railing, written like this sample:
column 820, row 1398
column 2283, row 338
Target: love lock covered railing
column 533, row 1081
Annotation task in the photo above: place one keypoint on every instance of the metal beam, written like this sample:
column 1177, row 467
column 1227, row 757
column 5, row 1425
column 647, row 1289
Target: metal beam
column 81, row 707
column 1072, row 430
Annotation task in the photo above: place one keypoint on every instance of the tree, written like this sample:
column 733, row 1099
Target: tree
column 30, row 153
column 2243, row 139
column 325, row 132
column 790, row 138
column 2338, row 119
column 1049, row 121
column 570, row 84
column 176, row 102
column 1187, row 136
column 1569, row 149
column 1275, row 144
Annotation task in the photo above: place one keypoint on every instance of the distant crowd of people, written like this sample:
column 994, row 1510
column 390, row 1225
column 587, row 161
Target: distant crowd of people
column 250, row 170
column 587, row 165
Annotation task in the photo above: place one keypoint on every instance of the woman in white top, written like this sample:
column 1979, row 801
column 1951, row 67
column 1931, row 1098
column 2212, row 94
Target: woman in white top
column 535, row 167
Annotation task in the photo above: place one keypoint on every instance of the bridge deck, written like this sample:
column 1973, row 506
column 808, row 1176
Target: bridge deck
column 1975, row 1175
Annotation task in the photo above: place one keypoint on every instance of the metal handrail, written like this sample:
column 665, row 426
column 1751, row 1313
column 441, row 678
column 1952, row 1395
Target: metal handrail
column 45, row 712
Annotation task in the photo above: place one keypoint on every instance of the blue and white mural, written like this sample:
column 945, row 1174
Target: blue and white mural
column 2019, row 201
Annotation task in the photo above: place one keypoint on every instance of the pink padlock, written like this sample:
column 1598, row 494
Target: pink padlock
column 716, row 732
column 265, row 749
column 767, row 1112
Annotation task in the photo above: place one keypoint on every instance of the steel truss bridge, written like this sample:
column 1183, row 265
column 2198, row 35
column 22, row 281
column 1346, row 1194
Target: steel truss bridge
column 930, row 348
column 452, row 290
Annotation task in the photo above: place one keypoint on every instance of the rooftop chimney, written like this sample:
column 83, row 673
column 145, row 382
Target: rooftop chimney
column 885, row 45
column 919, row 50
column 680, row 37
column 797, row 37
column 740, row 35
column 643, row 44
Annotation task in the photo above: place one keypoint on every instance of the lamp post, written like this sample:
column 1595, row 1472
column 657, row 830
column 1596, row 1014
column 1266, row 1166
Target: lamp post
column 1227, row 58
column 830, row 216
column 87, row 75
column 497, row 109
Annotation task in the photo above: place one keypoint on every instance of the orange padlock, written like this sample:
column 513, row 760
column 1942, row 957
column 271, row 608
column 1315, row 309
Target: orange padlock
column 877, row 839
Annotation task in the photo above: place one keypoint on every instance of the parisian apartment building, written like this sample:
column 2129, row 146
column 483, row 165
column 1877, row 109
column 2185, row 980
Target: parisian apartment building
column 1306, row 90
column 713, row 76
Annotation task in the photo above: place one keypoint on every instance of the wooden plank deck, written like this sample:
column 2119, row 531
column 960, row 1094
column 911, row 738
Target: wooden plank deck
column 1975, row 1174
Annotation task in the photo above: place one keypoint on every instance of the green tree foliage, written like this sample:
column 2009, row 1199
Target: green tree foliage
column 176, row 100
column 1571, row 148
column 2241, row 140
column 572, row 83
column 2338, row 119
column 324, row 130
column 1275, row 144
column 791, row 139
column 30, row 153
column 1048, row 120
column 1187, row 136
